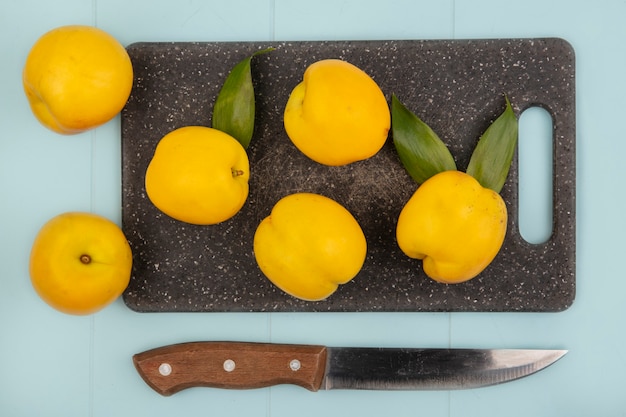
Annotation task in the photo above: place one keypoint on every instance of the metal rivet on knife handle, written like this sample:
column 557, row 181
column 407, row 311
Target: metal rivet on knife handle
column 295, row 365
column 165, row 369
column 229, row 365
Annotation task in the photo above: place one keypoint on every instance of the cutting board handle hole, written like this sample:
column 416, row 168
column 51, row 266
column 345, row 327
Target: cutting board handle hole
column 536, row 161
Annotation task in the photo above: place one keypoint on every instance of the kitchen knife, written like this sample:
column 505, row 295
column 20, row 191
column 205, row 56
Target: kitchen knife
column 239, row 365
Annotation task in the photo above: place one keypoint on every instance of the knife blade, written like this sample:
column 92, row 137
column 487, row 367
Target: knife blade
column 242, row 365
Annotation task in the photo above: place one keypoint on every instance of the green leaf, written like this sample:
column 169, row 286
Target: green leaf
column 491, row 159
column 421, row 151
column 234, row 108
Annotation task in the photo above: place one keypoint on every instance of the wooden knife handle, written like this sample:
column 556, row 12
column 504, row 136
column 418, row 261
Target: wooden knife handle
column 232, row 365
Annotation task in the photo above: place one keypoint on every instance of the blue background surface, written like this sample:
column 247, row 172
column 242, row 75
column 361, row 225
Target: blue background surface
column 64, row 366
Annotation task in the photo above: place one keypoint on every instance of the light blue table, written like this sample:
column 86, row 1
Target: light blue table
column 63, row 366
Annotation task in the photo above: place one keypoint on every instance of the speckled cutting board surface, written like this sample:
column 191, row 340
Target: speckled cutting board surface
column 456, row 86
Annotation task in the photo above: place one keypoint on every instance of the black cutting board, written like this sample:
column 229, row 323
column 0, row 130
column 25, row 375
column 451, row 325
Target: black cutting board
column 456, row 86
